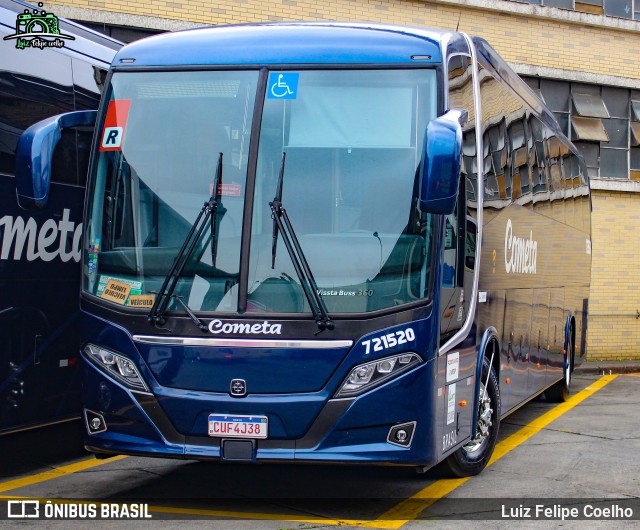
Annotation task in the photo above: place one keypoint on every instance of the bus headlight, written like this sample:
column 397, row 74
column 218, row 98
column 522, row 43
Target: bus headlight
column 369, row 375
column 116, row 365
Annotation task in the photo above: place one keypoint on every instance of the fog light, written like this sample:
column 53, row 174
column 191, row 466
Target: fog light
column 402, row 434
column 94, row 421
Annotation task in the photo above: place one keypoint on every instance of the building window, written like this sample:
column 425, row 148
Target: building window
column 618, row 8
column 634, row 157
column 634, row 148
column 590, row 6
column 589, row 105
column 588, row 130
column 562, row 4
column 635, row 109
column 591, row 154
column 629, row 9
column 557, row 96
column 635, row 134
column 602, row 121
column 586, row 123
column 614, row 155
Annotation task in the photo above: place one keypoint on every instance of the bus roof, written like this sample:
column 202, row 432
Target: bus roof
column 307, row 43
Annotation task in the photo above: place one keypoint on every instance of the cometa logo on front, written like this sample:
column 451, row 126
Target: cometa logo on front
column 520, row 254
column 261, row 328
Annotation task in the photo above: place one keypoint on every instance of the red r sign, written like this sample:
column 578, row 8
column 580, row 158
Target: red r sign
column 115, row 124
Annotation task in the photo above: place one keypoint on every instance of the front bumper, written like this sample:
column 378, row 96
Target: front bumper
column 349, row 430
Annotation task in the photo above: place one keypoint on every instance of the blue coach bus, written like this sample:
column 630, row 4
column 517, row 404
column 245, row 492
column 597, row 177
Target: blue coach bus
column 324, row 243
column 40, row 250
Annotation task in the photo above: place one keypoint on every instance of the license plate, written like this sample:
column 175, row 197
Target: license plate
column 226, row 426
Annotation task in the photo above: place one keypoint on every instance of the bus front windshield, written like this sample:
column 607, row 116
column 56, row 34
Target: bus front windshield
column 351, row 145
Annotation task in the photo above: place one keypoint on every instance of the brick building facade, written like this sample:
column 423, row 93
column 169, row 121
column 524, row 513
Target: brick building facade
column 583, row 57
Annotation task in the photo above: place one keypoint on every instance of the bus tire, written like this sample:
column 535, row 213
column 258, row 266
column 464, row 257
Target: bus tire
column 473, row 457
column 560, row 392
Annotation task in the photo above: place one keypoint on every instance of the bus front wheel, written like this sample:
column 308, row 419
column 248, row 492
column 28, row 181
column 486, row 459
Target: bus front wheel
column 473, row 457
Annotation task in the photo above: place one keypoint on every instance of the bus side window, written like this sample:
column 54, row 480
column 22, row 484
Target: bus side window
column 470, row 245
column 71, row 156
column 454, row 279
column 450, row 250
column 31, row 91
column 64, row 164
column 455, row 245
column 88, row 83
column 461, row 230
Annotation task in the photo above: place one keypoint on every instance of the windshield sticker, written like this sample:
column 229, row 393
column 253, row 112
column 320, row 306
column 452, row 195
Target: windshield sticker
column 115, row 124
column 283, row 86
column 453, row 366
column 141, row 300
column 94, row 249
column 227, row 190
column 135, row 285
column 116, row 291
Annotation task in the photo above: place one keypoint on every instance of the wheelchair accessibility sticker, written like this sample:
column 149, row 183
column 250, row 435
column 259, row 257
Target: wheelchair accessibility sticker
column 283, row 86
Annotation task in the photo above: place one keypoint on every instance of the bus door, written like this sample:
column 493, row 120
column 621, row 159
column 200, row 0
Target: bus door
column 455, row 295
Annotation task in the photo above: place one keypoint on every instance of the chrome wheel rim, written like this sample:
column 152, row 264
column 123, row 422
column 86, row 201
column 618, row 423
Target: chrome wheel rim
column 567, row 364
column 484, row 423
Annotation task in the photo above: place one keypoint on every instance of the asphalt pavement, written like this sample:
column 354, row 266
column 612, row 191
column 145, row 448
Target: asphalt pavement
column 550, row 459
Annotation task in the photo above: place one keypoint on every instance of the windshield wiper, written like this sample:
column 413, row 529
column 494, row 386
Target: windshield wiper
column 165, row 294
column 278, row 197
column 217, row 211
column 282, row 224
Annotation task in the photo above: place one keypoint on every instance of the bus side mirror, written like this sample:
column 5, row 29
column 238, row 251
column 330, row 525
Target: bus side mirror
column 441, row 159
column 35, row 152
